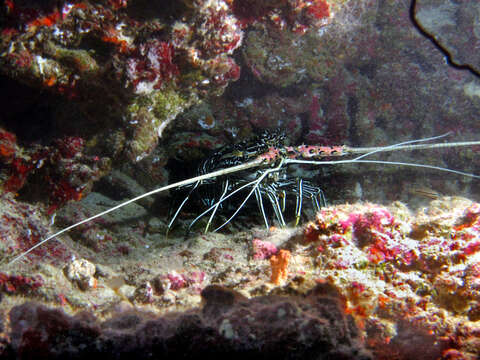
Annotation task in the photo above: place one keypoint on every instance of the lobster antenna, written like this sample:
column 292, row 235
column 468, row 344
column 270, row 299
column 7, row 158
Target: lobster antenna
column 248, row 165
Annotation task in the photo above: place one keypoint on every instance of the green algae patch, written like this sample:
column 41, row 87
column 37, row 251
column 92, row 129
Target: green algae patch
column 168, row 104
column 149, row 115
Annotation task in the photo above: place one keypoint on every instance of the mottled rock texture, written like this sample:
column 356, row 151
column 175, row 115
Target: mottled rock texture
column 308, row 327
column 454, row 26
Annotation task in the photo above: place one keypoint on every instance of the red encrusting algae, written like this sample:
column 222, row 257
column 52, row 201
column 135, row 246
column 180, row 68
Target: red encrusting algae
column 18, row 284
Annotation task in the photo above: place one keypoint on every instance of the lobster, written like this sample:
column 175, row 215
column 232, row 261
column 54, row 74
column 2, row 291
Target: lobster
column 258, row 167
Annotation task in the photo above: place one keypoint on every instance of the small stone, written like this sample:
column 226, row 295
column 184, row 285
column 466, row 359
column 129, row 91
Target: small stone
column 81, row 272
column 160, row 285
column 155, row 225
column 127, row 292
column 144, row 293
column 169, row 298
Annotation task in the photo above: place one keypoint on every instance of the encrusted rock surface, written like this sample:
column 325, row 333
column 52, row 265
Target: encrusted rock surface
column 328, row 72
column 302, row 327
column 81, row 272
column 401, row 276
column 454, row 26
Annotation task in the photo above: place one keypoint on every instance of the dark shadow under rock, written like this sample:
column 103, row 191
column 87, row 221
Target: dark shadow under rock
column 303, row 327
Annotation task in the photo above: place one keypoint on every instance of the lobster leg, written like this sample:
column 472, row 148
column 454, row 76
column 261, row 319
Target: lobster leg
column 299, row 196
column 181, row 205
column 316, row 195
column 258, row 195
column 220, row 201
column 225, row 189
column 283, row 196
column 256, row 184
column 272, row 196
column 320, row 198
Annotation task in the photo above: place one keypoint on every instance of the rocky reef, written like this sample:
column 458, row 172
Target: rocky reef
column 105, row 100
column 360, row 281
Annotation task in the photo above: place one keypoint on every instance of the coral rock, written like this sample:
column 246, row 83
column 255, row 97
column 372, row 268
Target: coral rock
column 271, row 326
column 81, row 272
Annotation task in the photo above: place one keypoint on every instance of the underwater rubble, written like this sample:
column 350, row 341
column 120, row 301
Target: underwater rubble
column 302, row 327
column 180, row 80
column 404, row 285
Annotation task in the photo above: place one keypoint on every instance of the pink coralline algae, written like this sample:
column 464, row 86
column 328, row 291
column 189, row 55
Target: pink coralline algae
column 151, row 66
column 318, row 9
column 19, row 284
column 19, row 168
column 404, row 268
column 470, row 218
column 177, row 281
column 375, row 231
column 207, row 41
column 67, row 173
column 22, row 227
column 263, row 249
column 297, row 15
column 8, row 143
column 363, row 224
column 70, row 146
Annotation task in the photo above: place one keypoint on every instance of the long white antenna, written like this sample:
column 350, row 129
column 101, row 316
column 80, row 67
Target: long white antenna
column 248, row 165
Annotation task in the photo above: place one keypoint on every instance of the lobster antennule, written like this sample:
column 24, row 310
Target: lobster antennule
column 410, row 147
